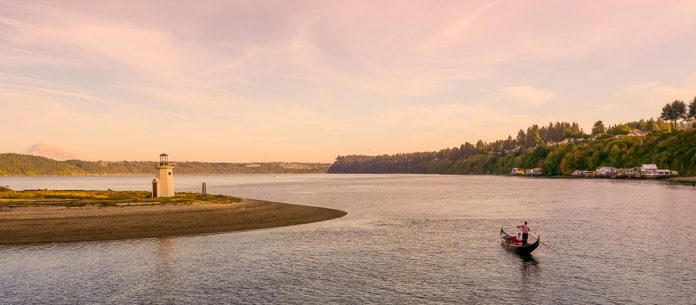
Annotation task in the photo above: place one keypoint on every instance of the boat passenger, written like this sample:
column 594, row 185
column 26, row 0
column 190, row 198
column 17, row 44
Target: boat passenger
column 525, row 232
column 513, row 240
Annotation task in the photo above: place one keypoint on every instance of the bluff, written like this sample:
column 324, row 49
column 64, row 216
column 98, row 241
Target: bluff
column 673, row 150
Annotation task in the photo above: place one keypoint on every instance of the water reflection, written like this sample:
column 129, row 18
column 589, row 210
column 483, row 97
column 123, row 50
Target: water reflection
column 407, row 239
column 528, row 259
column 165, row 273
column 529, row 279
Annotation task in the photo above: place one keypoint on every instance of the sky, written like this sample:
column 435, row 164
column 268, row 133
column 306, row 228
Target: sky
column 248, row 81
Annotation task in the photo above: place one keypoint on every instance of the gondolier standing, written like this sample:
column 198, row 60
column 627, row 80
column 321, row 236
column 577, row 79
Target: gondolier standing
column 525, row 232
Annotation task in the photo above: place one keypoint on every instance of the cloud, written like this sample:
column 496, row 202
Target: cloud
column 328, row 75
column 420, row 128
column 659, row 93
column 649, row 97
column 515, row 96
column 529, row 95
column 50, row 151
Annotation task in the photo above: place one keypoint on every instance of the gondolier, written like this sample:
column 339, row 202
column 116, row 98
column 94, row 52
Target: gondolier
column 525, row 232
column 509, row 243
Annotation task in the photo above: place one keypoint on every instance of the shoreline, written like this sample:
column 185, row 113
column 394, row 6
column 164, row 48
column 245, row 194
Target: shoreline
column 51, row 224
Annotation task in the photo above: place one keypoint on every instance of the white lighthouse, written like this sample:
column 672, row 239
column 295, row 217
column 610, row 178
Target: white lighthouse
column 165, row 177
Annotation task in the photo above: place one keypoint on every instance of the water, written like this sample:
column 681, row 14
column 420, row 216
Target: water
column 407, row 239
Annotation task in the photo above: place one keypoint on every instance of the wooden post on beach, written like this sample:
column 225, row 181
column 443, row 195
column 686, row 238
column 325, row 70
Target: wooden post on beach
column 154, row 188
column 204, row 191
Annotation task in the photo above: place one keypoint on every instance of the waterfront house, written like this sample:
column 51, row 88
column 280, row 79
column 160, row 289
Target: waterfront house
column 605, row 171
column 516, row 171
column 532, row 171
column 626, row 172
column 648, row 170
column 583, row 173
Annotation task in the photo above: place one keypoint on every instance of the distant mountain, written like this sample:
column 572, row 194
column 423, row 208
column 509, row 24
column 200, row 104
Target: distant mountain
column 12, row 164
column 50, row 151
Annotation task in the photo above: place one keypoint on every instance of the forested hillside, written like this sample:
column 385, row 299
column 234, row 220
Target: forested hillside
column 27, row 165
column 558, row 149
column 676, row 151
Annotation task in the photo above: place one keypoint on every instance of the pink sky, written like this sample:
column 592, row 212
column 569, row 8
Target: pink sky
column 244, row 81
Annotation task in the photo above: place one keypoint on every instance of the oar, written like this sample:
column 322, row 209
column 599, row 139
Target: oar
column 546, row 245
column 537, row 238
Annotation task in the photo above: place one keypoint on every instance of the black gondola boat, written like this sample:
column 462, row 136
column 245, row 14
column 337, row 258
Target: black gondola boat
column 517, row 248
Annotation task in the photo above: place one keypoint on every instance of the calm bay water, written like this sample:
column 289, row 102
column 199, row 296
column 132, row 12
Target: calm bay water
column 407, row 239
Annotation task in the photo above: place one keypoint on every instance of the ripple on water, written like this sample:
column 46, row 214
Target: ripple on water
column 408, row 239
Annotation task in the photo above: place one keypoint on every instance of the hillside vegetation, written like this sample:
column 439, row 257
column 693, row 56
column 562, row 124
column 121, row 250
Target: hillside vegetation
column 26, row 165
column 676, row 151
column 558, row 149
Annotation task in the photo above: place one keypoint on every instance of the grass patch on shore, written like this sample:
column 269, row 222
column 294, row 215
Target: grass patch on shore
column 72, row 198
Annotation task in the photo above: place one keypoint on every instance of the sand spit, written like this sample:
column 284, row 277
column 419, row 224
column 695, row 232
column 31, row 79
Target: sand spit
column 45, row 224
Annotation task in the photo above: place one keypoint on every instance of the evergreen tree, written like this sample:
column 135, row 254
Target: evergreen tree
column 673, row 112
column 598, row 128
column 692, row 110
column 533, row 136
column 521, row 139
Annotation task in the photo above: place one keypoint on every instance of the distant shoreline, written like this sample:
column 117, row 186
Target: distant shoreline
column 12, row 164
column 151, row 175
column 683, row 180
column 49, row 224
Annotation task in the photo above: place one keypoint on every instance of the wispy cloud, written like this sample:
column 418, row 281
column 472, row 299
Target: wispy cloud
column 650, row 95
column 529, row 95
column 330, row 75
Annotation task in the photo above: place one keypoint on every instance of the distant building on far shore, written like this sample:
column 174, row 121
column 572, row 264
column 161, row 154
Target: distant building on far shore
column 533, row 171
column 518, row 171
column 165, row 178
column 605, row 171
column 648, row 169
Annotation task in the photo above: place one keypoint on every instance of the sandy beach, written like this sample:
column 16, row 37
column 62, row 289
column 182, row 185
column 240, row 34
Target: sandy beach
column 43, row 224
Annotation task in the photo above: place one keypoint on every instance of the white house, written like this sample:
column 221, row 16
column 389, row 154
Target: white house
column 648, row 169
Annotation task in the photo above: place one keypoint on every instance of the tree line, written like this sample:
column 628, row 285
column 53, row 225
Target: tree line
column 558, row 148
column 27, row 165
column 678, row 110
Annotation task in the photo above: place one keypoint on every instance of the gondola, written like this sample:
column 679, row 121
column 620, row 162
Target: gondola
column 517, row 248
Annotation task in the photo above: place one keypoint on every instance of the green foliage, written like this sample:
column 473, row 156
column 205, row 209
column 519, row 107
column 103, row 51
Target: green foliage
column 103, row 198
column 676, row 151
column 26, row 165
column 674, row 112
column 559, row 148
column 598, row 128
column 692, row 110
column 621, row 129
